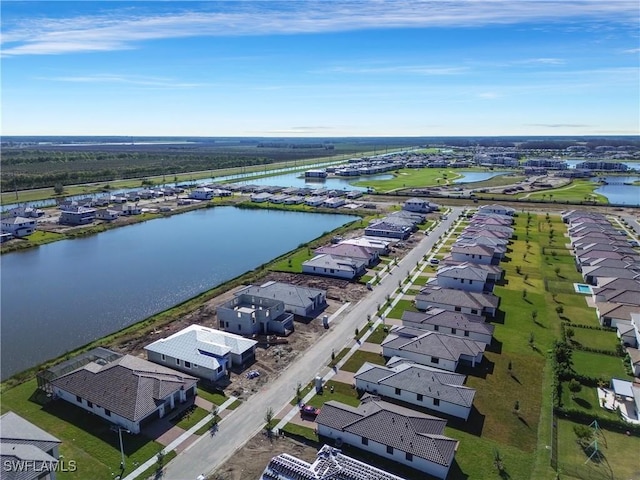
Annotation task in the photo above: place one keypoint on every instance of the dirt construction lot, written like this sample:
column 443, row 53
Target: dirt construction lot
column 272, row 359
column 256, row 454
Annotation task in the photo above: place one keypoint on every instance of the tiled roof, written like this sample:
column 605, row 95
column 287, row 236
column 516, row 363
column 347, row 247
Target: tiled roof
column 401, row 428
column 447, row 318
column 298, row 296
column 472, row 248
column 325, row 260
column 129, row 386
column 427, row 381
column 462, row 298
column 16, row 430
column 436, row 344
column 463, row 271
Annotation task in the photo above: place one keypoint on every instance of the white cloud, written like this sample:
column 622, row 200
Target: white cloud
column 427, row 70
column 125, row 28
column 127, row 80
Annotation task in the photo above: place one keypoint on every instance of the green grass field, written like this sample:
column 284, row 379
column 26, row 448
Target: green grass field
column 412, row 178
column 86, row 438
column 577, row 191
column 598, row 365
column 358, row 359
column 595, row 339
column 190, row 418
column 341, row 393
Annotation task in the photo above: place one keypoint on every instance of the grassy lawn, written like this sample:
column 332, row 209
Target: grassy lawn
column 599, row 339
column 217, row 398
column 379, row 334
column 341, row 393
column 189, row 418
column 85, row 438
column 412, row 178
column 338, row 357
column 358, row 359
column 301, row 431
column 617, row 462
column 40, row 238
column 598, row 365
column 577, row 191
column 401, row 307
column 586, row 400
column 293, row 263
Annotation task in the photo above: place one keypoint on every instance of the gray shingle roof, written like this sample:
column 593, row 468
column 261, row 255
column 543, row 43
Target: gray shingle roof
column 427, row 381
column 461, row 298
column 447, row 318
column 295, row 295
column 435, row 344
column 463, row 271
column 128, row 386
column 401, row 428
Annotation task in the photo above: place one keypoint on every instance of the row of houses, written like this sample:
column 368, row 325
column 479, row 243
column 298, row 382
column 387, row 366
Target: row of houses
column 610, row 263
column 423, row 354
column 401, row 224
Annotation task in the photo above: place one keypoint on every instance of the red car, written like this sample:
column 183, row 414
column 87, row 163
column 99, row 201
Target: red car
column 309, row 410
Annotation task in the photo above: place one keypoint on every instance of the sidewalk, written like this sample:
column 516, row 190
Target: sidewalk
column 178, row 441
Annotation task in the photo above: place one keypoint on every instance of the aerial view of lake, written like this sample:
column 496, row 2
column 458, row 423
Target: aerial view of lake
column 65, row 294
column 469, row 177
column 619, row 190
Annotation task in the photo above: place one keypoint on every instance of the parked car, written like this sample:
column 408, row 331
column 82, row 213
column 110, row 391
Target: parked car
column 309, row 410
column 434, row 261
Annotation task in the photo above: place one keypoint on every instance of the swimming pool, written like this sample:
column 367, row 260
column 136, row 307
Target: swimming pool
column 583, row 288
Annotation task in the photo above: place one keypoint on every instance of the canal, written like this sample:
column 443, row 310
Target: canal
column 65, row 294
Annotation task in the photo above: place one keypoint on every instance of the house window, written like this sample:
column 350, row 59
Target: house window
column 409, row 456
column 436, row 402
column 419, row 397
column 435, row 360
column 187, row 364
column 436, row 328
column 458, row 309
column 219, row 369
column 107, row 412
column 453, row 331
column 163, row 357
column 365, row 441
column 389, row 450
column 239, row 328
column 78, row 399
column 398, row 391
column 466, row 333
column 177, row 361
column 474, row 311
column 89, row 404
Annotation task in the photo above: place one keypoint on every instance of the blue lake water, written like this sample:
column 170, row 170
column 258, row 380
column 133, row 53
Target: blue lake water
column 477, row 176
column 65, row 294
column 617, row 192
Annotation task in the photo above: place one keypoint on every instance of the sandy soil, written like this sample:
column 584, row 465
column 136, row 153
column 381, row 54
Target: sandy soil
column 260, row 450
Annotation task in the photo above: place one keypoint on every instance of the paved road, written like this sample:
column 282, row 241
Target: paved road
column 209, row 452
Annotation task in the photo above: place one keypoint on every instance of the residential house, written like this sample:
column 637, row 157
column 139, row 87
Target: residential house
column 201, row 193
column 334, row 202
column 331, row 266
column 129, row 392
column 130, row 209
column 261, row 197
column 25, row 444
column 433, row 349
column 18, row 226
column 497, row 209
column 419, row 205
column 473, row 253
column 596, row 275
column 279, row 198
column 370, row 257
column 387, row 229
column 250, row 315
column 24, row 212
column 202, row 352
column 453, row 323
column 634, row 360
column 107, row 214
column 610, row 314
column 370, row 243
column 629, row 332
column 463, row 277
column 77, row 215
column 457, row 300
column 315, row 201
column 396, row 433
column 293, row 200
column 419, row 385
column 330, row 464
column 299, row 300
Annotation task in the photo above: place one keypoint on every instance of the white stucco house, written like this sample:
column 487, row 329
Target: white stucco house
column 19, row 226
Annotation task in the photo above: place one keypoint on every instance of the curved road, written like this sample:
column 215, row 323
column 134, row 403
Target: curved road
column 209, row 452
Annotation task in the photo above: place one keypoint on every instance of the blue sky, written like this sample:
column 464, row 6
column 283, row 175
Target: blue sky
column 325, row 68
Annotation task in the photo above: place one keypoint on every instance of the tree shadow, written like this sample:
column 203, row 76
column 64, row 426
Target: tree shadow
column 523, row 421
column 583, row 403
column 515, row 378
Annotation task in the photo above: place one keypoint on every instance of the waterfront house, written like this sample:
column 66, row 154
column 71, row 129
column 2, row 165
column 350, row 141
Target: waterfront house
column 419, row 205
column 18, row 226
column 396, row 433
column 24, row 212
column 334, row 202
column 261, row 197
column 201, row 193
column 36, row 449
column 453, row 323
column 300, row 300
column 315, row 201
column 250, row 315
column 202, row 352
column 279, row 198
column 5, row 237
column 129, row 392
column 130, row 209
column 332, row 266
column 418, row 385
column 77, row 215
column 386, row 229
column 457, row 300
column 370, row 257
column 370, row 243
column 107, row 214
column 330, row 464
column 433, row 349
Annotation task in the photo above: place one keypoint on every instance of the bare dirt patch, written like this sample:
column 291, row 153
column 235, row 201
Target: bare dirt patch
column 250, row 461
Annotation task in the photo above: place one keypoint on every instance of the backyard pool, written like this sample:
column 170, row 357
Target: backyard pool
column 583, row 288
